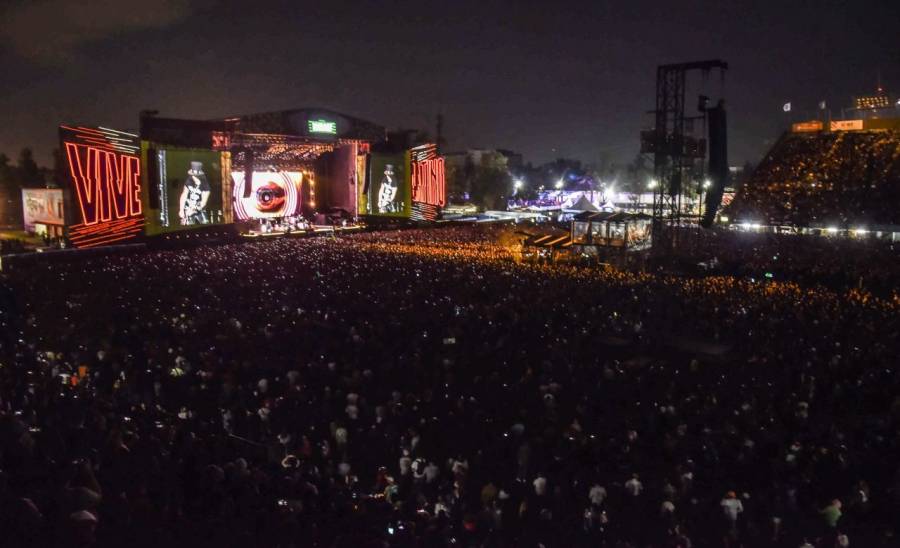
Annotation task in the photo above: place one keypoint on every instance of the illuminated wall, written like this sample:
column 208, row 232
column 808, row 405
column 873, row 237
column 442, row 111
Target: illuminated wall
column 188, row 188
column 362, row 202
column 428, row 185
column 104, row 172
column 411, row 185
column 388, row 186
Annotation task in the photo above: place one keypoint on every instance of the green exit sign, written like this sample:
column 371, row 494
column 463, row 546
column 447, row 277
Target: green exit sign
column 322, row 126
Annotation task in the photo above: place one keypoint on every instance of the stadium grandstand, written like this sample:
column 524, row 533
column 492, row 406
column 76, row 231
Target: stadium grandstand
column 840, row 174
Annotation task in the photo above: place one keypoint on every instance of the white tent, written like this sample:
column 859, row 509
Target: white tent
column 582, row 204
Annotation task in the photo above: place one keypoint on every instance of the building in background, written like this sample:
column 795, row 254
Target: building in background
column 514, row 160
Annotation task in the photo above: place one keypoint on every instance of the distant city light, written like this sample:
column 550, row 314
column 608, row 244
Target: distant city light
column 861, row 231
column 653, row 183
column 517, row 183
column 559, row 183
column 707, row 183
column 832, row 229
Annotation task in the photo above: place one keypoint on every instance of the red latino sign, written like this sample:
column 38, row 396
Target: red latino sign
column 105, row 173
column 428, row 185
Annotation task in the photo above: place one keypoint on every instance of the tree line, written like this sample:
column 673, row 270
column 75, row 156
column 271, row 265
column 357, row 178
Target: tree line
column 23, row 173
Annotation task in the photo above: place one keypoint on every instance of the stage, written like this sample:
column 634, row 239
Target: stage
column 313, row 230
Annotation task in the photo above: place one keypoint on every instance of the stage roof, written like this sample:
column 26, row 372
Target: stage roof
column 549, row 240
column 314, row 127
column 314, row 123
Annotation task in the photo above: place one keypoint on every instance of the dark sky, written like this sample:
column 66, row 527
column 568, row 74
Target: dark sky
column 547, row 79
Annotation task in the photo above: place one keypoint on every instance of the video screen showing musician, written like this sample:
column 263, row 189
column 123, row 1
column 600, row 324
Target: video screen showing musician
column 387, row 192
column 194, row 197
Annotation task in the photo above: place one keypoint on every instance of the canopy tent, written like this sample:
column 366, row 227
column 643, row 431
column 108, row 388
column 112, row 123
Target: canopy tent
column 580, row 205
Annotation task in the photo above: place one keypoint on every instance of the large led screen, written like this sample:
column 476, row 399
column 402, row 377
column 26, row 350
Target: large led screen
column 427, row 184
column 104, row 174
column 42, row 206
column 272, row 194
column 388, row 192
column 190, row 188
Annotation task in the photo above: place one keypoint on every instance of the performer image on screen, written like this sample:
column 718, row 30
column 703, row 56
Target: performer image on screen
column 387, row 192
column 194, row 197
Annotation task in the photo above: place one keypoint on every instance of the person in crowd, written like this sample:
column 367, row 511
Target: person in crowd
column 732, row 509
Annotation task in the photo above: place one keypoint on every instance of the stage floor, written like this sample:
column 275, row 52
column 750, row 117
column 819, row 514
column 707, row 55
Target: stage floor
column 317, row 230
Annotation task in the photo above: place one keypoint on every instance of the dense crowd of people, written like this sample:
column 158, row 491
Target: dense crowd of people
column 836, row 262
column 9, row 246
column 850, row 178
column 423, row 388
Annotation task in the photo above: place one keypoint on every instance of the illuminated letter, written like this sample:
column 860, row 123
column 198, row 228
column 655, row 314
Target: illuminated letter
column 99, row 170
column 134, row 184
column 116, row 180
column 442, row 183
column 85, row 189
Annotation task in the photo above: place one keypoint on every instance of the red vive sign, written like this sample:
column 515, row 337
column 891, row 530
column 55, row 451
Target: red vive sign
column 428, row 184
column 107, row 184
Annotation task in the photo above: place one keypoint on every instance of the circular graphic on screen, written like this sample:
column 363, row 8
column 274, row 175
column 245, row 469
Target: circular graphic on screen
column 270, row 197
column 273, row 194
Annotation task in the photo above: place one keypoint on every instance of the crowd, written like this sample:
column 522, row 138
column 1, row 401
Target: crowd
column 836, row 262
column 846, row 178
column 9, row 246
column 422, row 388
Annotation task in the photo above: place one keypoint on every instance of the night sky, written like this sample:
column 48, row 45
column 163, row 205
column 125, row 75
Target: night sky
column 546, row 79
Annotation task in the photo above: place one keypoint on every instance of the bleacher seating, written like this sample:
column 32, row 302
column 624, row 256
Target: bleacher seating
column 842, row 178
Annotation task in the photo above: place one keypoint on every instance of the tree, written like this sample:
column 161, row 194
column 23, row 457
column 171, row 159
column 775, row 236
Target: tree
column 640, row 171
column 60, row 169
column 490, row 187
column 29, row 174
column 457, row 185
column 6, row 170
column 10, row 194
